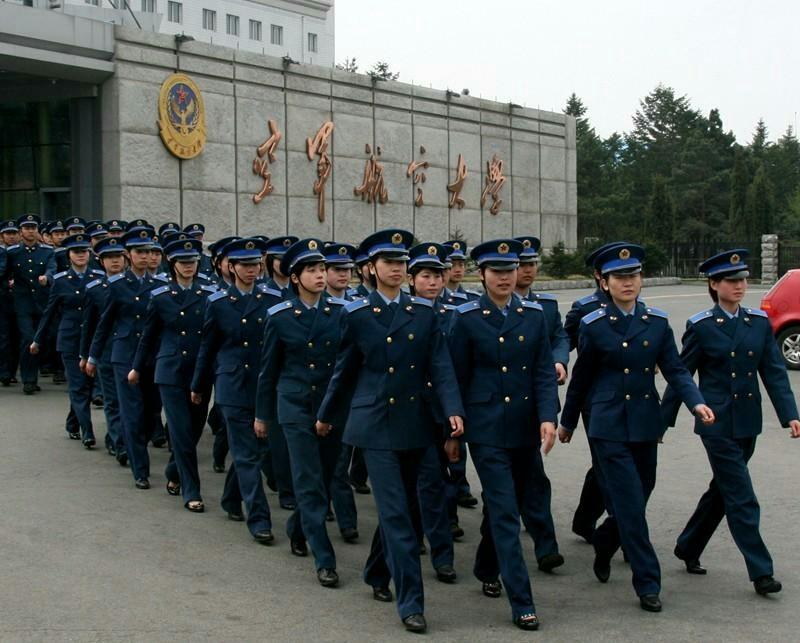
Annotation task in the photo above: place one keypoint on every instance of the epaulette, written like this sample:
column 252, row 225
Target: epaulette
column 356, row 305
column 94, row 283
column 161, row 277
column 56, row 250
column 526, row 303
column 470, row 305
column 474, row 293
column 97, row 272
column 59, row 275
column 46, row 245
column 421, row 301
column 458, row 295
column 266, row 290
column 546, row 296
column 160, row 290
column 203, row 276
column 657, row 312
column 217, row 295
column 756, row 311
column 448, row 307
column 116, row 277
column 594, row 316
column 284, row 305
column 588, row 299
column 351, row 292
column 336, row 300
column 208, row 288
column 705, row 314
column 12, row 247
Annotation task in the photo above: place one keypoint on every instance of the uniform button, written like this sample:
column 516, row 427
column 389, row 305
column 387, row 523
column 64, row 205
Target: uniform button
column 506, row 399
column 749, row 353
column 411, row 337
column 138, row 316
column 313, row 387
column 647, row 396
column 136, row 298
column 183, row 332
column 138, row 334
column 328, row 343
column 311, row 344
column 526, row 397
column 312, row 366
column 749, row 375
column 626, row 371
column 502, row 339
column 412, row 367
column 430, row 385
column 624, row 344
column 199, row 332
column 627, row 397
column 391, row 369
column 521, row 338
column 181, row 313
column 504, row 369
column 245, row 344
column 184, row 353
column 80, row 308
column 647, row 369
column 735, row 396
column 247, row 365
column 645, row 343
column 388, row 340
column 391, row 400
column 749, row 395
column 411, row 399
column 524, row 368
column 733, row 353
column 733, row 374
column 244, row 321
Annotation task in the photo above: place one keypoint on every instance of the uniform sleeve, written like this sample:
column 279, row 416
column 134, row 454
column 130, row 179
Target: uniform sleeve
column 773, row 374
column 271, row 359
column 51, row 268
column 559, row 341
column 572, row 324
column 49, row 314
column 104, row 326
column 675, row 372
column 545, row 387
column 337, row 397
column 690, row 356
column 151, row 334
column 440, row 367
column 581, row 381
column 209, row 346
column 89, row 320
column 3, row 263
column 460, row 352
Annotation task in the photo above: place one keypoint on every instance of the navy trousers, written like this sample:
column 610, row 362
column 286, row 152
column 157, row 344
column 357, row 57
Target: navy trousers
column 501, row 471
column 629, row 477
column 137, row 406
column 341, row 493
column 394, row 477
column 457, row 483
column 358, row 468
column 186, row 422
column 27, row 323
column 114, row 430
column 80, row 388
column 731, row 495
column 248, row 454
column 281, row 467
column 313, row 460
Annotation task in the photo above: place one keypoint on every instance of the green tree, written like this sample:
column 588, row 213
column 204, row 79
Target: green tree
column 349, row 65
column 739, row 184
column 380, row 71
column 660, row 221
column 759, row 205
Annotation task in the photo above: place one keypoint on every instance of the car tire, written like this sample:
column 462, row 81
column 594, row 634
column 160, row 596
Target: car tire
column 789, row 345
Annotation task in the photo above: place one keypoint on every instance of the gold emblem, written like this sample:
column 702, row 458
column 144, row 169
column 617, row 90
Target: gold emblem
column 735, row 258
column 456, row 246
column 432, row 251
column 143, row 234
column 397, row 238
column 195, row 227
column 187, row 245
column 526, row 244
column 624, row 253
column 249, row 245
column 181, row 116
column 287, row 243
column 342, row 251
column 30, row 217
column 112, row 242
column 503, row 248
column 312, row 245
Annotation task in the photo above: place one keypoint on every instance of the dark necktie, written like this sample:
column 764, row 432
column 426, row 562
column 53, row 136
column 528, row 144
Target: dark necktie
column 393, row 307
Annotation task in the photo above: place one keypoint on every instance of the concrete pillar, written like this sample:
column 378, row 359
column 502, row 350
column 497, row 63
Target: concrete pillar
column 769, row 259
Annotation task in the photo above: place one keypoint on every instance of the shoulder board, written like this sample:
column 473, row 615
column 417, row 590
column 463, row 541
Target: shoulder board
column 266, row 290
column 208, row 288
column 356, row 305
column 470, row 305
column 203, row 276
column 448, row 307
column 59, row 275
column 58, row 250
column 97, row 272
column 160, row 277
column 546, row 296
column 351, row 292
column 94, row 283
column 531, row 304
column 705, row 314
column 756, row 311
column 46, row 245
column 421, row 301
column 159, row 291
column 657, row 312
column 594, row 316
column 13, row 247
column 284, row 305
column 217, row 295
column 116, row 277
column 455, row 294
column 336, row 300
column 588, row 299
column 472, row 293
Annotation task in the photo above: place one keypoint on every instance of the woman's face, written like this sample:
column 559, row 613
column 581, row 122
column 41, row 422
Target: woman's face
column 186, row 269
column 427, row 283
column 79, row 258
column 338, row 278
column 623, row 288
column 499, row 283
column 389, row 272
column 312, row 278
column 730, row 291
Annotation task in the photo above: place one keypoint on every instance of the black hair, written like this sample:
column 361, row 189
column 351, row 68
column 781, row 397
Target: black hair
column 297, row 269
column 713, row 293
column 270, row 269
column 418, row 269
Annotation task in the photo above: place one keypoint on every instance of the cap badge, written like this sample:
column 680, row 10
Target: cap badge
column 735, row 258
column 624, row 254
column 312, row 245
column 287, row 243
column 456, row 246
column 503, row 248
column 112, row 242
column 526, row 243
column 30, row 217
column 397, row 238
column 342, row 251
column 432, row 251
column 249, row 245
column 195, row 227
column 143, row 234
column 187, row 245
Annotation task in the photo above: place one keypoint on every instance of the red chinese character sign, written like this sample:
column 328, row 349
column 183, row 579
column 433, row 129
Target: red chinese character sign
column 493, row 183
column 372, row 188
column 318, row 147
column 415, row 170
column 455, row 188
column 261, row 164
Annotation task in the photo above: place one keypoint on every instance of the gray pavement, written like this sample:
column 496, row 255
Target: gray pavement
column 86, row 557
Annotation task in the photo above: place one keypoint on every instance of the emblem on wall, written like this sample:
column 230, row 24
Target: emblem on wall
column 182, row 117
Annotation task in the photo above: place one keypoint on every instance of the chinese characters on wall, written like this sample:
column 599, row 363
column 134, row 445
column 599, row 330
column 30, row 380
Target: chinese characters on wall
column 265, row 154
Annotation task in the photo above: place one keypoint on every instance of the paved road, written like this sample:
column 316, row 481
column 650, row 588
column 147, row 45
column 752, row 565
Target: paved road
column 86, row 557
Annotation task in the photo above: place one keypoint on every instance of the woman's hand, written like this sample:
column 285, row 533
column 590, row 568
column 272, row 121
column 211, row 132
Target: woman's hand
column 133, row 377
column 323, row 428
column 547, row 432
column 261, row 428
column 197, row 398
column 452, row 450
column 91, row 369
column 794, row 425
column 704, row 413
column 457, row 426
column 564, row 435
column 33, row 349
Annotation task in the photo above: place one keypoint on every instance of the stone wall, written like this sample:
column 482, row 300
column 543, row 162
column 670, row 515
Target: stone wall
column 242, row 91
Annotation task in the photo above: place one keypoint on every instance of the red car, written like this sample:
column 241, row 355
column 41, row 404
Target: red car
column 782, row 305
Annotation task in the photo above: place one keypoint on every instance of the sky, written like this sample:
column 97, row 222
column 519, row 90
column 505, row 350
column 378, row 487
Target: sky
column 740, row 57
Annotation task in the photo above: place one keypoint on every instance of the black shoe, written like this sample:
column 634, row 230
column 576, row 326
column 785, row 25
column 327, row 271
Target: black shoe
column 74, row 435
column 467, row 500
column 456, row 531
column 29, row 389
column 142, row 483
column 98, row 402
column 492, row 589
column 263, row 537
column 415, row 623
column 550, row 562
column 299, row 548
column 767, row 585
column 271, row 484
column 329, row 517
column 382, row 594
column 89, row 443
column 327, row 577
column 219, row 468
column 422, row 549
column 59, row 378
column 111, row 450
column 160, row 443
column 350, row 534
column 650, row 602
column 288, row 505
column 602, row 567
column 585, row 531
column 122, row 459
column 173, row 489
column 236, row 516
column 527, row 621
column 693, row 565
column 361, row 487
column 446, row 574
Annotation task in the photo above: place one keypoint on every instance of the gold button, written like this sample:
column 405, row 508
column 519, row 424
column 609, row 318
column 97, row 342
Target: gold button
column 411, row 337
column 388, row 340
column 391, row 400
column 311, row 344
column 244, row 321
column 733, row 374
column 183, row 332
column 184, row 353
column 504, row 369
column 627, row 397
column 733, row 353
column 502, row 339
column 645, row 343
column 312, row 366
column 507, row 399
column 411, row 399
column 245, row 344
column 624, row 344
column 522, row 338
column 626, row 371
column 391, row 369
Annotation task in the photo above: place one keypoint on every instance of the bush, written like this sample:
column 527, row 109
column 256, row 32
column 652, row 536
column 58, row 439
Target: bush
column 561, row 264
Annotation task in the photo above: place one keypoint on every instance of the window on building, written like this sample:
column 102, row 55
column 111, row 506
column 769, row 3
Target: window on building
column 209, row 20
column 233, row 25
column 94, row 2
column 148, row 6
column 312, row 42
column 276, row 35
column 255, row 30
column 174, row 11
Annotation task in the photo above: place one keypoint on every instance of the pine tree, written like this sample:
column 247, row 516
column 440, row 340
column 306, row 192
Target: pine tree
column 380, row 71
column 759, row 142
column 660, row 221
column 349, row 65
column 759, row 205
column 739, row 184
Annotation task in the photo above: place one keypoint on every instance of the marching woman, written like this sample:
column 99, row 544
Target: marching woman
column 728, row 345
column 300, row 344
column 66, row 301
column 172, row 331
column 391, row 347
column 504, row 364
column 619, row 348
